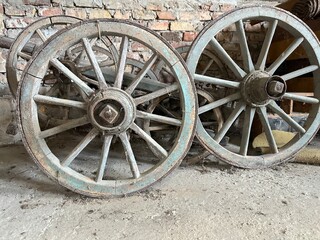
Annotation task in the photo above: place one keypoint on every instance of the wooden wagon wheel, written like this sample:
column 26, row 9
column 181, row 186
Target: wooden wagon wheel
column 257, row 87
column 110, row 112
column 35, row 32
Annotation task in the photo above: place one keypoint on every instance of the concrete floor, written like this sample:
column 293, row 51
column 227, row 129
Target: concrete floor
column 211, row 202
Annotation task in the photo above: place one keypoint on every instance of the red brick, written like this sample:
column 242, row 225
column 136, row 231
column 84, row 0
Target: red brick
column 160, row 26
column 120, row 14
column 189, row 36
column 44, row 12
column 166, row 15
column 181, row 26
column 37, row 2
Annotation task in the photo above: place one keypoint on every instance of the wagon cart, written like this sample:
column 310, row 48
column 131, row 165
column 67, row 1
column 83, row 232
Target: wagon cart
column 136, row 119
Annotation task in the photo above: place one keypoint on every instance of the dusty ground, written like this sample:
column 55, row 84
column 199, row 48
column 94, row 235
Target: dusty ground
column 193, row 203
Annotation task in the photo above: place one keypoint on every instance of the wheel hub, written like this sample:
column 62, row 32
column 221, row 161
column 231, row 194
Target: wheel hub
column 258, row 88
column 112, row 111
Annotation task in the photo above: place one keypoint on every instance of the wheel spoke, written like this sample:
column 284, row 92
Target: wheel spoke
column 228, row 123
column 167, row 111
column 262, row 112
column 41, row 35
column 261, row 63
column 160, row 128
column 278, row 110
column 64, row 127
column 248, row 120
column 156, row 146
column 156, row 94
column 25, row 56
column 207, row 67
column 299, row 72
column 245, row 52
column 142, row 73
column 94, row 63
column 216, row 81
column 79, row 148
column 298, row 98
column 219, row 103
column 104, row 157
column 296, row 43
column 122, row 62
column 129, row 155
column 53, row 89
column 56, row 63
column 225, row 57
column 159, row 118
column 59, row 102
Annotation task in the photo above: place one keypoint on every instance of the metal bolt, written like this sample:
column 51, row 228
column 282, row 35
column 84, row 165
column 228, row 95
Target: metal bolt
column 275, row 88
column 110, row 114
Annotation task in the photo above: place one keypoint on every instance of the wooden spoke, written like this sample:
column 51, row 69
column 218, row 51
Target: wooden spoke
column 246, row 131
column 25, row 56
column 95, row 64
column 219, row 103
column 104, row 157
column 41, row 35
column 59, row 102
column 149, row 140
column 207, row 67
column 159, row 118
column 299, row 98
column 245, row 52
column 267, row 129
column 278, row 110
column 216, row 81
column 79, row 148
column 142, row 73
column 228, row 123
column 129, row 155
column 296, row 43
column 164, row 91
column 299, row 72
column 64, row 127
column 261, row 63
column 122, row 62
column 84, row 87
column 225, row 57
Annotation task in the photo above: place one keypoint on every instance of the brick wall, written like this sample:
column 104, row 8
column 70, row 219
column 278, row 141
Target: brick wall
column 177, row 21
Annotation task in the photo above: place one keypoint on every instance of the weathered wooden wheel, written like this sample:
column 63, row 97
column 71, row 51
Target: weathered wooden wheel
column 256, row 86
column 108, row 112
column 36, row 33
